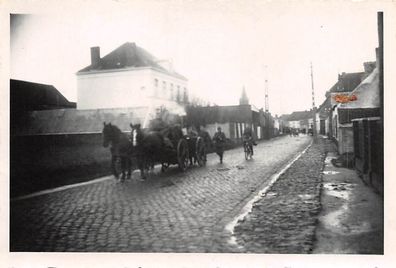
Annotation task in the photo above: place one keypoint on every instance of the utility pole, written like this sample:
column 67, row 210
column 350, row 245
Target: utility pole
column 267, row 116
column 313, row 106
column 266, row 96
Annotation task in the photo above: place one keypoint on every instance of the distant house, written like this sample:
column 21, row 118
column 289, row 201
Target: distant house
column 364, row 104
column 233, row 120
column 129, row 76
column 301, row 120
column 347, row 82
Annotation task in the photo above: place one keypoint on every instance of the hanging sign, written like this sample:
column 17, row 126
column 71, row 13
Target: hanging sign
column 342, row 98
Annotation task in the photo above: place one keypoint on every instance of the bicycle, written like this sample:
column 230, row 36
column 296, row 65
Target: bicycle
column 248, row 148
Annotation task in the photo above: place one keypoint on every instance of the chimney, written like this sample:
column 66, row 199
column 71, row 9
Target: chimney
column 95, row 56
column 369, row 67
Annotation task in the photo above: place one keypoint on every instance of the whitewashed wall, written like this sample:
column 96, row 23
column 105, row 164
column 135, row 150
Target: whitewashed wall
column 127, row 88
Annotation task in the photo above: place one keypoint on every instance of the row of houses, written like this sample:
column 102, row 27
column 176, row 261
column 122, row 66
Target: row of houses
column 128, row 85
column 126, row 79
column 352, row 117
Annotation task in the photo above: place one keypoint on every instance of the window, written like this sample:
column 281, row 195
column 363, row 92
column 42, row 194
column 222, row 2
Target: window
column 178, row 99
column 164, row 89
column 185, row 96
column 171, row 91
column 155, row 87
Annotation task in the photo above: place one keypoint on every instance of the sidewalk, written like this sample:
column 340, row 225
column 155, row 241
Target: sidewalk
column 351, row 219
column 316, row 208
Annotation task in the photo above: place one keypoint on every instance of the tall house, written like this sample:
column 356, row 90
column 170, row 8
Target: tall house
column 129, row 76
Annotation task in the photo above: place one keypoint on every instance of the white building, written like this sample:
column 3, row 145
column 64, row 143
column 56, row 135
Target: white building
column 128, row 76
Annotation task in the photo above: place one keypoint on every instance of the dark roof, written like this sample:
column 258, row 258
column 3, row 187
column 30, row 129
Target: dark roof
column 128, row 55
column 297, row 116
column 29, row 96
column 347, row 82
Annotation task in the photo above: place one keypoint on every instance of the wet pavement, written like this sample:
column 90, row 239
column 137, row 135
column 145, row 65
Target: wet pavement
column 352, row 216
column 285, row 218
column 170, row 212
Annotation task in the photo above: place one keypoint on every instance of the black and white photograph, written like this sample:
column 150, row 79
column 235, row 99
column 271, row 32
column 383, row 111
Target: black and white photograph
column 243, row 128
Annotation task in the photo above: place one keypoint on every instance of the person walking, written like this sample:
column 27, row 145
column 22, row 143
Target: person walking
column 219, row 140
column 206, row 138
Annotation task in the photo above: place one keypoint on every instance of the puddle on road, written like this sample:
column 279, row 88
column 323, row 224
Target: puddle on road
column 340, row 190
column 337, row 221
column 306, row 196
column 269, row 194
column 328, row 160
column 330, row 172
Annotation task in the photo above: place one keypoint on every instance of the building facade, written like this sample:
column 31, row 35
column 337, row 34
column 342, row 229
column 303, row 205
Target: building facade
column 129, row 76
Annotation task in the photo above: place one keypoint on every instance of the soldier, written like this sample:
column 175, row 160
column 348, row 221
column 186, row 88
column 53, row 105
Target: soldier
column 219, row 140
column 249, row 138
column 206, row 138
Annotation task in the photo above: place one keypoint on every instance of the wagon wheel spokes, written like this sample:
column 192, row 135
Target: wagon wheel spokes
column 182, row 155
column 200, row 152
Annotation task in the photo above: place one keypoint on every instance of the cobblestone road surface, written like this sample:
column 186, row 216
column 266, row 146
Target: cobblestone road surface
column 170, row 212
column 284, row 220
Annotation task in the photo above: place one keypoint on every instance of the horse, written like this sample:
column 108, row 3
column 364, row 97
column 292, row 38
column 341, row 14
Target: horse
column 155, row 146
column 121, row 149
column 146, row 146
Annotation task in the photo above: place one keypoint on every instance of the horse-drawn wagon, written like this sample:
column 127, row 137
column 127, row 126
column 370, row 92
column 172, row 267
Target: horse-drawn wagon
column 162, row 142
column 167, row 145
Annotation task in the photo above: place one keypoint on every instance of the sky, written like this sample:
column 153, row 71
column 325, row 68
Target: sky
column 220, row 46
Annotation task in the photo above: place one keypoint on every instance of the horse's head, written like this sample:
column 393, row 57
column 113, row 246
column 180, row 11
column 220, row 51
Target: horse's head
column 108, row 134
column 135, row 131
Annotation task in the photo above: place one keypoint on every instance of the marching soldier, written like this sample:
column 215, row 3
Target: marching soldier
column 219, row 140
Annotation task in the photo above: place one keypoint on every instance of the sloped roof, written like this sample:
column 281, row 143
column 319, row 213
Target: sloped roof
column 126, row 56
column 29, row 96
column 347, row 82
column 300, row 115
column 367, row 93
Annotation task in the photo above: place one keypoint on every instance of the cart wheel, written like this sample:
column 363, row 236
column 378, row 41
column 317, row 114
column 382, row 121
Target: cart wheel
column 200, row 152
column 182, row 154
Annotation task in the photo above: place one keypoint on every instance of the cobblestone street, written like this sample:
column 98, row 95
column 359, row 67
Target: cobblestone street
column 285, row 219
column 169, row 212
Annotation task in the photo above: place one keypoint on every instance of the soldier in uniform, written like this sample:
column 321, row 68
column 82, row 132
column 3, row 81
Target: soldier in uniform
column 206, row 138
column 219, row 140
column 248, row 136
